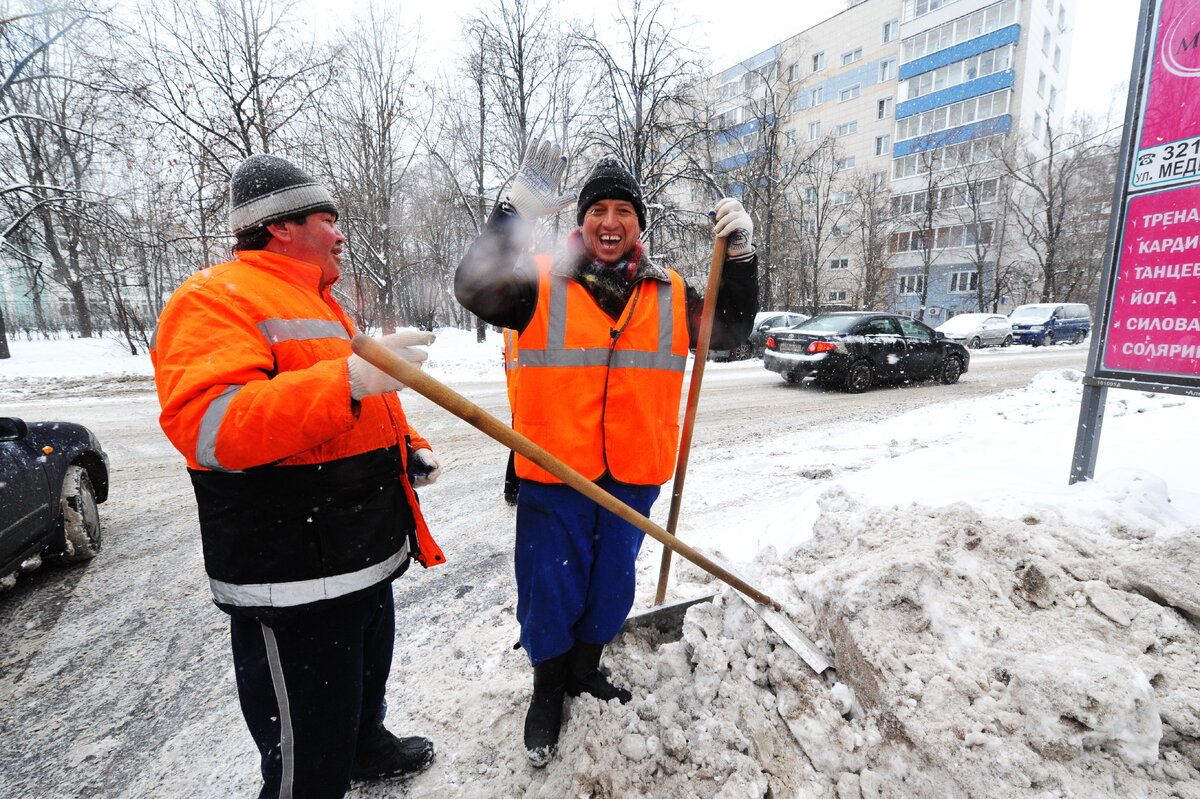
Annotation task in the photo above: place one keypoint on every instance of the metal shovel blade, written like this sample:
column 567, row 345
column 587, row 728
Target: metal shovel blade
column 665, row 621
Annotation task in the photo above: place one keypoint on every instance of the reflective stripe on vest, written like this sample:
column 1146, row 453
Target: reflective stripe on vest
column 277, row 330
column 303, row 592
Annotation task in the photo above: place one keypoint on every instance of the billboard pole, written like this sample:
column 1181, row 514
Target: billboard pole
column 1091, row 407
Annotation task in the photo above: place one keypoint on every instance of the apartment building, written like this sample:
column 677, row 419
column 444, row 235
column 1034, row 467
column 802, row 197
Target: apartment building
column 911, row 98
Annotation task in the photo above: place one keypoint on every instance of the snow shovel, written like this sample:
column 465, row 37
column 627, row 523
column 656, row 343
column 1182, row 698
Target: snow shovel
column 442, row 395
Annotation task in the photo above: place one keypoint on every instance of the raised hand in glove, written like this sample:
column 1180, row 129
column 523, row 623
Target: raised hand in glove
column 367, row 381
column 423, row 468
column 533, row 191
column 732, row 220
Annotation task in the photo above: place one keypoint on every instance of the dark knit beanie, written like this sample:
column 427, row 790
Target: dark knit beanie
column 610, row 180
column 267, row 188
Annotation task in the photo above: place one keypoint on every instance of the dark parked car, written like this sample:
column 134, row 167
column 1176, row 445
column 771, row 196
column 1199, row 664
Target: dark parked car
column 52, row 477
column 856, row 349
column 754, row 344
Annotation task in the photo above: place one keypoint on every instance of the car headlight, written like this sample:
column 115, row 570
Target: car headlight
column 1036, row 328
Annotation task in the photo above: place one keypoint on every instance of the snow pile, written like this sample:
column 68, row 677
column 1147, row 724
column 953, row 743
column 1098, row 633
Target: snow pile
column 991, row 657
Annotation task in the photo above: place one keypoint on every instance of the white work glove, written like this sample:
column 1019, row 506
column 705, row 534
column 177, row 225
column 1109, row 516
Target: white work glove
column 367, row 381
column 731, row 220
column 423, row 468
column 533, row 191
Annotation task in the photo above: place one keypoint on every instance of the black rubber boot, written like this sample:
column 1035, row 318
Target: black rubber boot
column 544, row 718
column 584, row 675
column 381, row 755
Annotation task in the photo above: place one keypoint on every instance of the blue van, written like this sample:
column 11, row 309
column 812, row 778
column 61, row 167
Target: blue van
column 1047, row 323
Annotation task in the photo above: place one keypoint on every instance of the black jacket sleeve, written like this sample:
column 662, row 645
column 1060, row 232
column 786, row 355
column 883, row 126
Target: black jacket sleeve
column 497, row 279
column 737, row 304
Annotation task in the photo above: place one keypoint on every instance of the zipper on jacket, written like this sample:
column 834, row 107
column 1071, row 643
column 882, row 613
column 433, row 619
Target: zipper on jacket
column 614, row 334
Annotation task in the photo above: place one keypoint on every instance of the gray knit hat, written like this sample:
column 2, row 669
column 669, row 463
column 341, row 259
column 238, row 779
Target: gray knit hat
column 267, row 188
column 610, row 180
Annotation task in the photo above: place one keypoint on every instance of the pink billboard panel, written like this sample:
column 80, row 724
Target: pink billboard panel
column 1154, row 326
column 1168, row 149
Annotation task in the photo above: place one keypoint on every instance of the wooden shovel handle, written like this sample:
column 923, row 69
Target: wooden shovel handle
column 703, row 335
column 384, row 359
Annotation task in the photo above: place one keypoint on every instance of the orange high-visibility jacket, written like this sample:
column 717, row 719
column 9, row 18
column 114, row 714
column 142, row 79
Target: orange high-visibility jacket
column 250, row 365
column 511, row 363
column 603, row 394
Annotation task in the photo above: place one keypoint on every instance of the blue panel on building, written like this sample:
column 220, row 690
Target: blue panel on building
column 975, row 130
column 864, row 76
column 733, row 161
column 980, row 44
column 737, row 132
column 964, row 91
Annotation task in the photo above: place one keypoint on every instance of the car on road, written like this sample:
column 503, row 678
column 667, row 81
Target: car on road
column 975, row 330
column 854, row 350
column 754, row 344
column 1046, row 323
column 52, row 477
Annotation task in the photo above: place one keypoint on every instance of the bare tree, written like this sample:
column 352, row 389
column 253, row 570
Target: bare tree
column 873, row 223
column 825, row 219
column 1052, row 190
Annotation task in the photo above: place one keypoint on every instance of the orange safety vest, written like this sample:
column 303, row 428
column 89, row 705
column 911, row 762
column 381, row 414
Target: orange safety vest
column 603, row 396
column 250, row 366
column 511, row 362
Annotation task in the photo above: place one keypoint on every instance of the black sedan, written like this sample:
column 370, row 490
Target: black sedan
column 52, row 477
column 855, row 350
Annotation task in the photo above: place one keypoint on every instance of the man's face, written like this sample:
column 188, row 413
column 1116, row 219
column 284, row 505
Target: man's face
column 318, row 241
column 610, row 229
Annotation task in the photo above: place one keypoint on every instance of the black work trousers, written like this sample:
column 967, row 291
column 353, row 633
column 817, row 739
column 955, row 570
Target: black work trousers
column 311, row 687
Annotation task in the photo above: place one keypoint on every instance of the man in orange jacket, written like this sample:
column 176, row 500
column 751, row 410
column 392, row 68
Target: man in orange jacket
column 603, row 339
column 299, row 454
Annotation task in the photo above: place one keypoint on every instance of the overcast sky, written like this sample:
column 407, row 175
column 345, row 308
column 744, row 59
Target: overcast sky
column 733, row 30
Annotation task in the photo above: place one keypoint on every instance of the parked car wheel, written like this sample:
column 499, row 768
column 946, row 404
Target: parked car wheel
column 859, row 377
column 1007, row 341
column 743, row 352
column 81, row 518
column 975, row 343
column 1078, row 337
column 952, row 369
column 1048, row 339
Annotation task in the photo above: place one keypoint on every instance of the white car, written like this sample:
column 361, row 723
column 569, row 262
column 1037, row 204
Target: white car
column 975, row 330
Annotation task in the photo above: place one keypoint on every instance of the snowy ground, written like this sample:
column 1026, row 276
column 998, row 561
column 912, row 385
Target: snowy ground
column 1004, row 634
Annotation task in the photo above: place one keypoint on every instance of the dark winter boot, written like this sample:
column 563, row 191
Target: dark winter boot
column 381, row 755
column 544, row 718
column 584, row 675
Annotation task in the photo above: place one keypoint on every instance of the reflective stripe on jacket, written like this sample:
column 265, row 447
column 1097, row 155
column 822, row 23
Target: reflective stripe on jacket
column 603, row 396
column 250, row 366
column 511, row 362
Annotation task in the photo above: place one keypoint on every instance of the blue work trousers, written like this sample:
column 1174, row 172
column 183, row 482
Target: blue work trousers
column 575, row 565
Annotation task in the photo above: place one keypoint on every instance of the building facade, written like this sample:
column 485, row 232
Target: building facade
column 908, row 102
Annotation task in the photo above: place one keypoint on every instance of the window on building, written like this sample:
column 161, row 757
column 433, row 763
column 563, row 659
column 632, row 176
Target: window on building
column 1053, row 101
column 883, row 144
column 879, row 179
column 842, row 164
column 816, row 96
column 883, row 109
column 1057, row 58
column 793, row 72
column 1041, row 84
column 1050, row 6
column 818, row 62
column 850, row 56
column 839, row 231
column 839, row 263
column 1037, row 126
column 814, row 130
column 887, row 70
column 891, row 29
column 789, row 138
column 957, row 73
column 952, row 116
column 912, row 284
column 1046, row 42
column 846, row 128
column 1062, row 18
column 963, row 282
column 841, row 198
column 835, row 295
column 810, row 195
column 959, row 30
column 849, row 93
